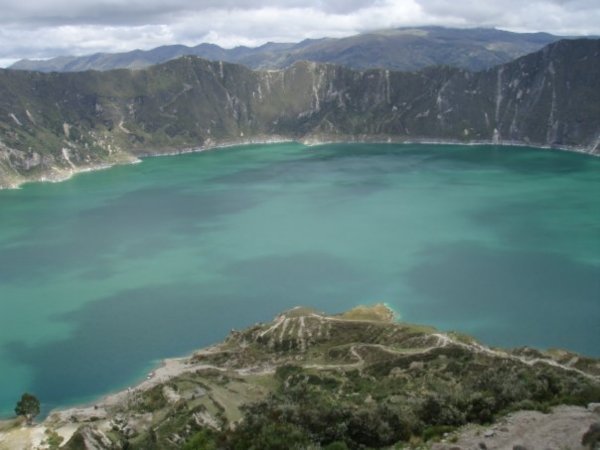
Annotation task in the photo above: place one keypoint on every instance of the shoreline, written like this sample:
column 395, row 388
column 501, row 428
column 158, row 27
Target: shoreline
column 98, row 408
column 165, row 369
column 69, row 418
column 309, row 141
column 60, row 175
column 160, row 370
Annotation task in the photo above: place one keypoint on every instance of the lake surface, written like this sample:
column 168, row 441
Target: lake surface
column 105, row 274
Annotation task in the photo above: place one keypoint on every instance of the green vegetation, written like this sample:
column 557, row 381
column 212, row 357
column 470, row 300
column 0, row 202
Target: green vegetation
column 53, row 440
column 202, row 440
column 28, row 406
column 311, row 381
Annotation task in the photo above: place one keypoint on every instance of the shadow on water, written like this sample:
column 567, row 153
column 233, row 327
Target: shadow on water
column 353, row 176
column 361, row 169
column 508, row 297
column 541, row 222
column 160, row 321
column 514, row 158
column 92, row 236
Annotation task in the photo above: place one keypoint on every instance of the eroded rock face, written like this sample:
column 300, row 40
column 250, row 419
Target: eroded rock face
column 594, row 407
column 591, row 438
column 549, row 98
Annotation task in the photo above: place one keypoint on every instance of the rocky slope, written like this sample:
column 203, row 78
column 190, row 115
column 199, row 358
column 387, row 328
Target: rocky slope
column 396, row 49
column 55, row 124
column 356, row 380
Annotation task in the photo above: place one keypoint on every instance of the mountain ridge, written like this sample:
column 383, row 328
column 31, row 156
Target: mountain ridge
column 58, row 123
column 402, row 49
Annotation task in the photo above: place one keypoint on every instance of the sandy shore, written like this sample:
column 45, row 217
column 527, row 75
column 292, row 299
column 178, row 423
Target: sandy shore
column 65, row 421
column 168, row 369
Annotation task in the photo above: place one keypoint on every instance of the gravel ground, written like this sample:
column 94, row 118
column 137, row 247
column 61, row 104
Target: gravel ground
column 561, row 429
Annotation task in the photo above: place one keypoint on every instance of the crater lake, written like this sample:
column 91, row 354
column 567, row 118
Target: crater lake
column 105, row 274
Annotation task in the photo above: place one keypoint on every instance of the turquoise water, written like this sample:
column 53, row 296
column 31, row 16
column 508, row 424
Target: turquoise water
column 105, row 274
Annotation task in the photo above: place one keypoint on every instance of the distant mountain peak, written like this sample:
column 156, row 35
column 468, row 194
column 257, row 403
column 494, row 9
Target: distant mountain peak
column 406, row 48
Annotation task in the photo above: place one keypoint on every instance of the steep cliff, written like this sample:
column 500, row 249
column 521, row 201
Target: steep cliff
column 57, row 123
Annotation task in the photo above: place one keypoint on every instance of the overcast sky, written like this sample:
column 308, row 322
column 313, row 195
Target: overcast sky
column 47, row 28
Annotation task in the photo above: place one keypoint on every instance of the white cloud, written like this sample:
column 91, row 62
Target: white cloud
column 5, row 62
column 563, row 17
column 47, row 28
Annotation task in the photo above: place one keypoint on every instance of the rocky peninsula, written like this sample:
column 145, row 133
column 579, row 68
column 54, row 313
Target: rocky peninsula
column 360, row 379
